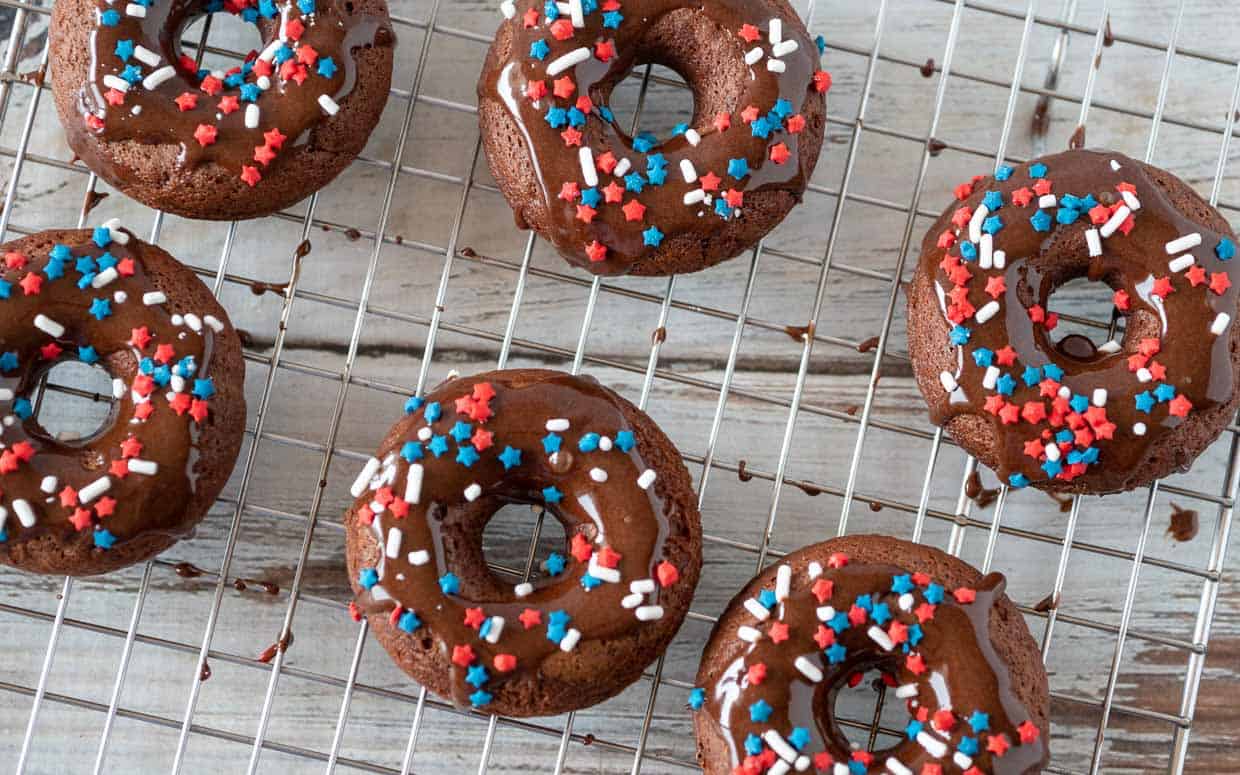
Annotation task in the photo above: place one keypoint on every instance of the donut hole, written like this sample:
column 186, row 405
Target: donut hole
column 663, row 108
column 223, row 30
column 76, row 405
column 517, row 532
column 1087, row 314
column 862, row 705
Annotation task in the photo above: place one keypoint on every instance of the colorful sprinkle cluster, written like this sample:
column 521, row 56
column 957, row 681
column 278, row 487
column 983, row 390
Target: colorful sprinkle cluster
column 289, row 67
column 889, row 620
column 1067, row 430
column 165, row 381
column 456, row 437
column 608, row 180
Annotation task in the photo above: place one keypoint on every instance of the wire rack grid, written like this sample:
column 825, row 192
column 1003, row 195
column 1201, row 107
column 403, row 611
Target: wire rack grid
column 647, row 732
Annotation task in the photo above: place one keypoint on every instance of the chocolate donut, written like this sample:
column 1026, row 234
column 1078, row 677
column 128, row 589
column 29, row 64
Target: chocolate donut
column 600, row 611
column 148, row 475
column 1068, row 415
column 211, row 144
column 945, row 637
column 615, row 204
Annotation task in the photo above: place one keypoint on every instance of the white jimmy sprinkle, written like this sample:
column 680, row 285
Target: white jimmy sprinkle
column 48, row 485
column 153, row 298
column 632, row 601
column 881, row 638
column 695, row 196
column 144, row 467
column 1094, row 242
column 941, row 694
column 25, row 513
column 610, row 575
column 649, row 613
column 906, row 601
column 1139, row 429
column 598, row 475
column 571, row 59
column 213, row 323
column 808, row 669
column 497, row 628
column 1181, row 263
column 472, row 492
column 815, row 570
column 118, row 388
column 252, row 115
column 622, row 168
column 780, row 767
column 152, row 81
column 193, row 321
column 1100, row 397
column 962, row 761
column 783, row 582
column 785, row 48
column 523, row 589
column 1131, row 200
column 987, row 258
column 758, row 610
column 413, row 484
column 748, row 634
column 146, row 56
column 897, row 767
column 988, row 311
column 1114, row 165
column 136, row 11
column 1000, row 259
column 420, row 557
column 604, row 443
column 589, row 173
column 1109, row 348
column 776, row 30
column 688, row 171
column 425, row 433
column 94, row 489
column 328, row 105
column 118, row 234
column 840, row 769
column 569, row 641
column 393, row 542
column 1187, row 242
column 1220, row 323
column 646, row 479
column 802, row 763
column 115, row 82
column 935, row 746
column 103, row 278
column 904, row 691
column 1117, row 220
column 824, row 613
column 1052, row 451
column 269, row 53
column 779, row 745
column 508, row 8
column 577, row 13
column 6, row 394
column 642, row 586
column 693, row 137
column 1065, row 392
column 120, row 297
column 948, row 381
column 754, row 55
column 776, row 65
column 975, row 224
column 1144, row 375
column 1047, row 201
column 363, row 479
column 48, row 326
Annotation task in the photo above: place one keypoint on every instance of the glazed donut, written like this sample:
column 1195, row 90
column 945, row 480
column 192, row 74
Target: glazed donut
column 122, row 495
column 615, row 204
column 947, row 638
column 601, row 610
column 211, row 144
column 1069, row 415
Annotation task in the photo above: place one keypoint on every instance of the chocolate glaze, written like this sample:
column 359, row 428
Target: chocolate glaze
column 135, row 505
column 619, row 514
column 955, row 647
column 1198, row 363
column 292, row 108
column 556, row 164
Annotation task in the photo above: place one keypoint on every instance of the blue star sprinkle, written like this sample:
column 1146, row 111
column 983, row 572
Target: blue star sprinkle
column 1225, row 249
column 409, row 621
column 438, row 445
column 552, row 495
column 839, row 622
column 1041, row 221
column 760, row 711
column 836, row 654
column 368, row 578
column 327, row 68
column 652, row 237
column 411, row 451
column 461, row 431
column 88, row 355
column 413, row 404
column 100, row 309
column 124, row 49
column 477, row 676
column 204, row 388
column 902, row 584
column 1018, row 481
column 625, row 441
column 1003, row 173
column 433, row 411
column 8, row 361
column 104, row 539
column 480, row 698
column 753, row 744
column 934, row 593
column 697, row 698
column 551, row 443
column 738, row 168
column 555, row 563
column 510, row 457
column 449, row 584
column 467, row 455
column 983, row 357
column 993, row 200
column 1037, row 170
column 539, row 50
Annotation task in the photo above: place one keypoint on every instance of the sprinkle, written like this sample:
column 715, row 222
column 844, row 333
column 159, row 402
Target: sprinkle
column 570, row 639
column 776, row 65
column 1221, row 321
column 94, row 490
column 1094, row 242
column 1117, row 220
column 687, row 170
column 153, row 81
column 1181, row 263
column 759, row 611
column 784, row 48
column 779, row 745
column 25, row 513
column 1225, row 249
column 1100, row 397
column 754, row 55
column 135, row 10
column 569, row 60
column 144, row 467
column 748, row 634
column 988, row 311
column 472, row 492
column 49, row 326
column 948, row 381
column 808, row 669
column 413, row 484
column 328, row 105
column 1180, row 244
column 649, row 613
column 1131, row 200
column 646, row 479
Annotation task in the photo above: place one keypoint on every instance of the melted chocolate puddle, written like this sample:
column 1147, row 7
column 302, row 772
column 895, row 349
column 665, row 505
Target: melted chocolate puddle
column 868, row 345
column 1184, row 524
column 279, row 646
column 980, row 495
column 800, row 333
column 741, row 473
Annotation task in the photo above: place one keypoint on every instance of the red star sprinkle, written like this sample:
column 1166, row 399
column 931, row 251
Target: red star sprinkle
column 15, row 260
column 613, row 193
column 307, row 55
column 778, row 632
column 823, row 589
column 709, row 182
column 114, row 97
column 263, row 154
column 198, row 410
column 837, row 560
column 931, row 769
column 596, row 252
column 229, row 104
column 1009, row 414
column 965, row 595
column 1196, row 275
column 608, row 557
column 1021, row 197
column 962, row 216
column 947, row 239
column 50, row 351
column 572, row 138
column 756, row 673
column 944, row 720
column 530, row 618
column 140, row 337
column 749, row 33
column 482, row 439
column 585, row 104
column 462, row 655
column 164, row 353
column 1028, row 732
column 667, row 574
column 1219, row 282
column 294, row 29
column 32, row 284
column 780, row 153
column 823, row 761
column 1157, row 370
column 211, row 85
column 143, row 411
column 606, row 162
column 1121, row 300
column 1180, row 406
column 1042, row 187
column 1099, row 215
column 119, row 468
column 634, row 211
column 186, row 101
column 530, row 19
column 857, row 615
column 586, row 213
column 24, row 451
column 734, row 198
column 262, row 67
column 569, row 192
column 579, row 547
column 822, row 81
column 484, row 392
column 796, row 124
column 80, row 519
column 251, row 175
column 399, row 508
column 562, row 29
column 750, row 114
column 474, row 617
column 995, row 286
column 131, row 447
column 536, row 90
column 68, row 497
column 564, row 87
column 180, row 403
column 998, row 744
column 1033, row 412
column 723, row 122
column 824, row 637
column 963, row 191
column 604, row 51
column 505, row 663
column 1163, row 287
column 1006, row 356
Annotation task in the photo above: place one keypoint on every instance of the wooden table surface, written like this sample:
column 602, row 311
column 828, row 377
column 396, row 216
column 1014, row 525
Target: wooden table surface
column 470, row 302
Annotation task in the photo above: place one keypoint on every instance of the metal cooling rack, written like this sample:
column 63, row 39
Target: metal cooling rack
column 417, row 93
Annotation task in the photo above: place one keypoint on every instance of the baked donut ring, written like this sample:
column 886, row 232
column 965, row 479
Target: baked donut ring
column 604, row 607
column 84, row 506
column 220, row 145
column 615, row 204
column 1069, row 415
column 947, row 638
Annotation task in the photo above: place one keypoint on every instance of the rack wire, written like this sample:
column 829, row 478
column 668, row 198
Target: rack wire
column 633, row 742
